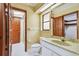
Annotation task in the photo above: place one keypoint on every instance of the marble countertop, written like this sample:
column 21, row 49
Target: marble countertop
column 72, row 48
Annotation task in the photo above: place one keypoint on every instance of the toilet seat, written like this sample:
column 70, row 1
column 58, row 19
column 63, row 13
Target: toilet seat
column 36, row 48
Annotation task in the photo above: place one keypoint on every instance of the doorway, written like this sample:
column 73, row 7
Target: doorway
column 18, row 27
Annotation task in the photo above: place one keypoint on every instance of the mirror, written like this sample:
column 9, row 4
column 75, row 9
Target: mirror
column 70, row 26
column 65, row 21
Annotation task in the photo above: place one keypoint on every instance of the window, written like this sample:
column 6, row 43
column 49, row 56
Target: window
column 46, row 22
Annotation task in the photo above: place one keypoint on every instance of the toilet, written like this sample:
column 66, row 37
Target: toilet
column 36, row 48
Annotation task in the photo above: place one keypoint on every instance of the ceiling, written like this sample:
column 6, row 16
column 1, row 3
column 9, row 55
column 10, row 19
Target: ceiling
column 34, row 6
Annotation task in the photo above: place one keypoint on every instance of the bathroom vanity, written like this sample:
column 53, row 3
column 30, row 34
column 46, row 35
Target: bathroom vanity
column 55, row 47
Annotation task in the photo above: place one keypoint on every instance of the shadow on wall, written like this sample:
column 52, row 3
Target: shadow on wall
column 33, row 38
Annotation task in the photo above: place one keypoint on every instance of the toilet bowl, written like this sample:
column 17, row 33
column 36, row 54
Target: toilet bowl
column 36, row 49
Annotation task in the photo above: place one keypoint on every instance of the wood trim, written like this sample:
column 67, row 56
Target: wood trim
column 4, row 48
column 25, row 31
column 77, row 25
column 63, row 26
column 15, row 8
column 7, row 30
column 3, row 34
column 5, row 41
column 4, row 29
column 8, row 40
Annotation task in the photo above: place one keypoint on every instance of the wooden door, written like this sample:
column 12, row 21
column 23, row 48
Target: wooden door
column 58, row 26
column 8, row 44
column 4, row 29
column 8, row 18
column 1, row 30
column 15, row 30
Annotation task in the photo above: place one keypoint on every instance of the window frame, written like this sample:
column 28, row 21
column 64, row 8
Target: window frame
column 46, row 22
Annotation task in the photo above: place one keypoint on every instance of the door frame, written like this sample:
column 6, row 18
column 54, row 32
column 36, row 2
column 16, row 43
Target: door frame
column 3, row 30
column 7, row 41
column 15, row 8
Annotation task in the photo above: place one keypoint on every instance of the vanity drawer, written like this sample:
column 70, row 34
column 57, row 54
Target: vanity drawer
column 44, row 43
column 47, row 52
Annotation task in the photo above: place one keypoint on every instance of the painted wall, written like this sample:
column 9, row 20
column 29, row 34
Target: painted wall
column 59, row 11
column 32, row 24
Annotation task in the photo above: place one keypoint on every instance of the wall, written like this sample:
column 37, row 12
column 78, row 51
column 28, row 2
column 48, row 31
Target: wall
column 59, row 11
column 32, row 24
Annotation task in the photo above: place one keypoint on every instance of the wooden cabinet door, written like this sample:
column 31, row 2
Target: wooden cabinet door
column 58, row 26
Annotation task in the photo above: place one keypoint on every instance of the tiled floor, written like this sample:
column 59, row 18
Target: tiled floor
column 18, row 50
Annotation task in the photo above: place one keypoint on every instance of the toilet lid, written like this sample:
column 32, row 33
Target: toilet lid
column 36, row 45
